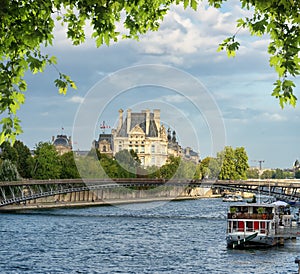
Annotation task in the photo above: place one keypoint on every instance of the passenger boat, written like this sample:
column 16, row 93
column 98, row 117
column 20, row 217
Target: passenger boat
column 253, row 225
column 232, row 198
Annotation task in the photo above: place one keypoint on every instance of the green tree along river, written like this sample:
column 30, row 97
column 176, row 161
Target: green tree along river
column 16, row 162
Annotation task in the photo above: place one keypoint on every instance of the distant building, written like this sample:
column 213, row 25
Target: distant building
column 190, row 155
column 62, row 143
column 105, row 144
column 174, row 149
column 143, row 133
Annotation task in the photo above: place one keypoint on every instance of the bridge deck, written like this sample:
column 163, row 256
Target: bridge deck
column 26, row 190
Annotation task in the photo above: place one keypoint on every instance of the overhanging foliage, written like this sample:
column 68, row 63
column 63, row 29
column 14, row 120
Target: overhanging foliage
column 27, row 26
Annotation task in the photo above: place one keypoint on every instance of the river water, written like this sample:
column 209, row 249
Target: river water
column 173, row 237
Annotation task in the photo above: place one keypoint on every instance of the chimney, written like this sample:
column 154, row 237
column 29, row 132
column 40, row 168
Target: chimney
column 128, row 120
column 120, row 119
column 147, row 121
column 157, row 118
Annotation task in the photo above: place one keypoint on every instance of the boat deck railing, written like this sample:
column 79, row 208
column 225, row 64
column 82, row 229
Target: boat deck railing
column 251, row 216
column 280, row 232
column 261, row 231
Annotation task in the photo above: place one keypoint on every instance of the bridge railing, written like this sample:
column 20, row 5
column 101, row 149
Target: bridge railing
column 32, row 189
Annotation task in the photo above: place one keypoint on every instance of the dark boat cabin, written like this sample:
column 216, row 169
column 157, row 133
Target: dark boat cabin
column 247, row 218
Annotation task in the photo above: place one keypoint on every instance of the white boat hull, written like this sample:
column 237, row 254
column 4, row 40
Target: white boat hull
column 239, row 240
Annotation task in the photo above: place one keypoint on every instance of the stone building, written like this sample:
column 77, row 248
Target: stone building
column 105, row 144
column 62, row 143
column 190, row 155
column 143, row 133
column 174, row 149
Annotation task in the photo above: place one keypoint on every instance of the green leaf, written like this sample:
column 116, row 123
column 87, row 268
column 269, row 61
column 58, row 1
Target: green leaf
column 240, row 23
column 106, row 38
column 194, row 4
column 185, row 3
column 63, row 90
column 293, row 100
column 220, row 48
column 53, row 60
column 73, row 85
column 2, row 137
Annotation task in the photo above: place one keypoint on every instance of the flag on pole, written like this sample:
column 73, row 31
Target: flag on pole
column 103, row 126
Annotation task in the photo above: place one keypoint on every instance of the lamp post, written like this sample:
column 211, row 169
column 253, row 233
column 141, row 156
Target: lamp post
column 260, row 168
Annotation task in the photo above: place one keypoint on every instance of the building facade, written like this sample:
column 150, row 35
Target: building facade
column 105, row 144
column 143, row 133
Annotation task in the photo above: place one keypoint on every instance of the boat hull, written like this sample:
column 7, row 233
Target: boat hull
column 248, row 241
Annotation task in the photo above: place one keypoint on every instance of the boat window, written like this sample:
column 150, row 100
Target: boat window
column 249, row 226
column 268, row 210
column 234, row 225
column 262, row 227
column 244, row 209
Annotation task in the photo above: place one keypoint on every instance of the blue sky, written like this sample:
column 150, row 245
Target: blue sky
column 238, row 89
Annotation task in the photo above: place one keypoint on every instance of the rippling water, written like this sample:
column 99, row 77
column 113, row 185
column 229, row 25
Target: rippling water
column 175, row 237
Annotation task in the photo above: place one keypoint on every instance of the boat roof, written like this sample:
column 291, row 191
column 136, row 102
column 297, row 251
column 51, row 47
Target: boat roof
column 252, row 205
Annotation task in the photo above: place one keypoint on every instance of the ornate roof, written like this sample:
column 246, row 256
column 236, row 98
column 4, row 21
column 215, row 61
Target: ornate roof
column 139, row 119
column 62, row 140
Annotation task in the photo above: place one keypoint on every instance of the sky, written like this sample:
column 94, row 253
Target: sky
column 210, row 100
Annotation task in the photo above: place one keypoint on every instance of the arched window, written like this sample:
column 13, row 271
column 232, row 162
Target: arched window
column 104, row 149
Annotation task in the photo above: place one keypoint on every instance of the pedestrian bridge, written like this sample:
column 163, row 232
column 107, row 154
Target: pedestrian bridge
column 20, row 192
column 282, row 189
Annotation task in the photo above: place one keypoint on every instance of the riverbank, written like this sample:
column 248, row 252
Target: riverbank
column 112, row 196
column 62, row 204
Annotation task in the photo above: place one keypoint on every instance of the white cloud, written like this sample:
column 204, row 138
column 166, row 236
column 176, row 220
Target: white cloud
column 189, row 38
column 273, row 117
column 260, row 44
column 76, row 99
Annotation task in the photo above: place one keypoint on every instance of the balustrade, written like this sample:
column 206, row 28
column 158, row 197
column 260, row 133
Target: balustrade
column 255, row 216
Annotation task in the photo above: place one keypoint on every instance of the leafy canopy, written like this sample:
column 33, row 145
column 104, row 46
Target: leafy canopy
column 8, row 171
column 27, row 26
column 46, row 162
